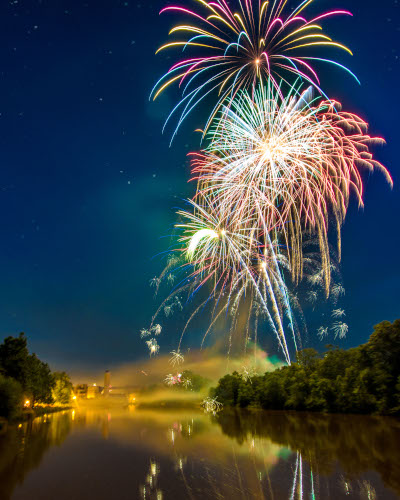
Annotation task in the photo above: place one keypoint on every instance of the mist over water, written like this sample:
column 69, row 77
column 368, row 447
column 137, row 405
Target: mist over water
column 170, row 454
column 209, row 363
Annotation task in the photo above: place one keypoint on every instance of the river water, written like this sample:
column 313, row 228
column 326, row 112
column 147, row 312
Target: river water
column 169, row 454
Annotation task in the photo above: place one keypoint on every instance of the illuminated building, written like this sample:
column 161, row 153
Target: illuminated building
column 81, row 391
column 93, row 391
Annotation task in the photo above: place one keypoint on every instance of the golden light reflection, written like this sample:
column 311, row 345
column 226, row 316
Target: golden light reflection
column 243, row 447
column 152, row 491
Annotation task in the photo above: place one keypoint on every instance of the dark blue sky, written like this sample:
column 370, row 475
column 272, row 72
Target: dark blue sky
column 89, row 185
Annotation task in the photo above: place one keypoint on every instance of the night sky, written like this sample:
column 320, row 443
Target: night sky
column 89, row 185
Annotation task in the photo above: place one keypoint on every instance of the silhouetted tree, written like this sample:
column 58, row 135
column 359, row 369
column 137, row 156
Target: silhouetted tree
column 10, row 398
column 13, row 358
column 33, row 375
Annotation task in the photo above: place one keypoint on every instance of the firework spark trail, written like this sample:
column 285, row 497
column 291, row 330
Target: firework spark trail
column 232, row 264
column 280, row 333
column 276, row 261
column 217, row 253
column 189, row 320
column 163, row 303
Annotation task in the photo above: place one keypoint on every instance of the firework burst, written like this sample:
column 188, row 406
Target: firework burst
column 285, row 165
column 338, row 313
column 156, row 329
column 277, row 169
column 340, row 329
column 248, row 373
column 177, row 358
column 153, row 346
column 211, row 405
column 322, row 332
column 261, row 41
column 144, row 333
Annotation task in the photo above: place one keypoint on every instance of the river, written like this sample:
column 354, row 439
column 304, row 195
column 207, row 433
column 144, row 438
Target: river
column 96, row 454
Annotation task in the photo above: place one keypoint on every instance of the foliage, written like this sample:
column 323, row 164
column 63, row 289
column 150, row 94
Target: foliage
column 10, row 398
column 227, row 391
column 197, row 381
column 17, row 366
column 63, row 387
column 40, row 381
column 13, row 358
column 364, row 379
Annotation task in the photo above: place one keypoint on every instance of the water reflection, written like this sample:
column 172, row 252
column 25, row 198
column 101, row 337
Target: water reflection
column 356, row 443
column 23, row 447
column 150, row 490
column 158, row 455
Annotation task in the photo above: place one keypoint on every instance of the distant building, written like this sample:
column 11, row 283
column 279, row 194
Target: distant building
column 93, row 391
column 126, row 394
column 107, row 383
column 81, row 391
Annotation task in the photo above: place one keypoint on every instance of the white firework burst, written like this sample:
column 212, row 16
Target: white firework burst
column 322, row 332
column 156, row 329
column 155, row 281
column 211, row 405
column 248, row 373
column 178, row 303
column 177, row 358
column 338, row 290
column 312, row 297
column 171, row 279
column 340, row 329
column 316, row 279
column 187, row 383
column 172, row 260
column 153, row 346
column 144, row 333
column 169, row 379
column 167, row 310
column 338, row 313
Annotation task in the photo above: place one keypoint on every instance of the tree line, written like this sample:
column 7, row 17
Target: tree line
column 26, row 380
column 363, row 379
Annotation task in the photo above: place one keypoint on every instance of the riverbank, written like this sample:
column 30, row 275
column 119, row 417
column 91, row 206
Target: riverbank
column 31, row 414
